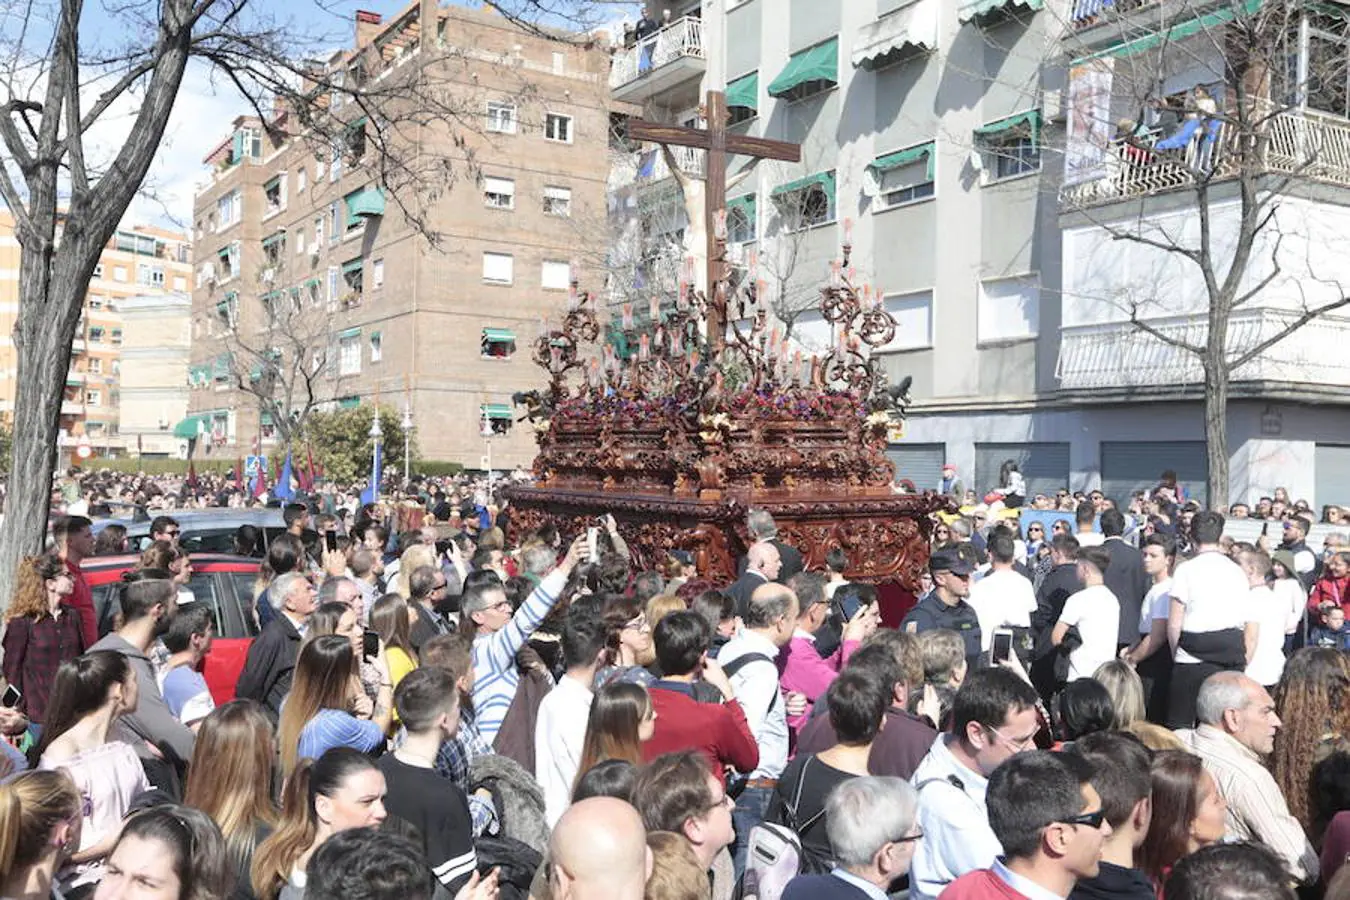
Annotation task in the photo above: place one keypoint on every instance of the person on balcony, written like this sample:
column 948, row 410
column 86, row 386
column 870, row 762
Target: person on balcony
column 1202, row 113
column 645, row 33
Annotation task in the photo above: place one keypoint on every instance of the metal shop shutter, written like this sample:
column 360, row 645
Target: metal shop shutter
column 1331, row 476
column 1129, row 466
column 918, row 463
column 1044, row 465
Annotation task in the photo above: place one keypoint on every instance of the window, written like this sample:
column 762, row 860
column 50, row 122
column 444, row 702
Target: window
column 95, row 301
column 301, row 180
column 349, row 354
column 300, row 242
column 335, row 160
column 96, row 334
column 251, row 142
column 179, row 283
column 377, row 273
column 556, row 275
column 117, row 367
column 275, row 193
column 559, row 62
column 805, row 203
column 227, row 310
column 376, row 346
column 498, row 343
column 1011, row 146
column 333, row 274
column 117, row 337
column 273, row 246
column 913, row 321
column 558, row 127
column 499, row 193
column 1326, row 89
column 232, row 253
column 335, row 231
column 1009, row 309
column 501, row 118
column 318, row 233
column 352, row 281
column 119, row 273
column 95, row 367
column 557, row 201
column 498, row 268
column 93, row 398
column 229, row 209
column 98, row 270
column 741, row 222
column 904, row 177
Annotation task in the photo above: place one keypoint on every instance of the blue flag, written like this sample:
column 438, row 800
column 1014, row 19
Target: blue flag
column 283, row 489
column 372, row 493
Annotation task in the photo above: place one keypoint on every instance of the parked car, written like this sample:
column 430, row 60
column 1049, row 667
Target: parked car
column 222, row 581
column 204, row 530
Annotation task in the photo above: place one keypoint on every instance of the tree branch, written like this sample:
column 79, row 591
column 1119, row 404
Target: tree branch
column 1303, row 319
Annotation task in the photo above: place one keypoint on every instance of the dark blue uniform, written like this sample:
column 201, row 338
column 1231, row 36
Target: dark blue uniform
column 931, row 613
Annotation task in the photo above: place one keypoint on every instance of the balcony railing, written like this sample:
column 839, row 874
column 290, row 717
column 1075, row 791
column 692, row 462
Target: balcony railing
column 1087, row 13
column 1120, row 356
column 691, row 161
column 682, row 39
column 1305, row 144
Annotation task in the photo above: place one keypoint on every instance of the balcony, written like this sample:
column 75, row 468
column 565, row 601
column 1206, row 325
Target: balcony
column 1119, row 358
column 1306, row 144
column 1090, row 13
column 652, row 165
column 659, row 62
column 72, row 408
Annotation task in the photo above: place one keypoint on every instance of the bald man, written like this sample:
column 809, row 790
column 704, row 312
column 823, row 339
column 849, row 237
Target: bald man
column 762, row 566
column 598, row 851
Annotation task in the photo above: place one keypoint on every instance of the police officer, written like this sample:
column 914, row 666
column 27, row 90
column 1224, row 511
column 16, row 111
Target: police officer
column 946, row 606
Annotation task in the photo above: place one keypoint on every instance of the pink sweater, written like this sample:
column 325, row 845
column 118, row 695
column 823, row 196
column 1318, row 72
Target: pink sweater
column 982, row 884
column 804, row 670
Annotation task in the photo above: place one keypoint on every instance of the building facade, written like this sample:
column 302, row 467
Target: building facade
column 302, row 246
column 142, row 262
column 921, row 124
column 156, row 345
column 1000, row 163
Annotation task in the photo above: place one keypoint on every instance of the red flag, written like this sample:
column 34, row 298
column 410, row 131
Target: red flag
column 260, row 483
column 192, row 474
column 309, row 472
column 239, row 472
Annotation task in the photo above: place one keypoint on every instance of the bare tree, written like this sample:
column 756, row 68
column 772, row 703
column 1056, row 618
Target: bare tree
column 1243, row 143
column 66, row 204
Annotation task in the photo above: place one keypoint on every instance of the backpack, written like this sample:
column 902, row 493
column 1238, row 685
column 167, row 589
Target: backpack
column 775, row 855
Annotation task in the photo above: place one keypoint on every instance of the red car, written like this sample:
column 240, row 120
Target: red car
column 225, row 582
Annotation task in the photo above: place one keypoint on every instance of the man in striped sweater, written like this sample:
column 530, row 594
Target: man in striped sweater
column 498, row 635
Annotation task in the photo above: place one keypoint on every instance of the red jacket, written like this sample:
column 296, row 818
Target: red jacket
column 718, row 730
column 982, row 884
column 82, row 601
column 1331, row 590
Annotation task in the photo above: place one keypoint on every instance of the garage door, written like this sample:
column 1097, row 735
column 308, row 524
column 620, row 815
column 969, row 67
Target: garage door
column 1129, row 466
column 1331, row 479
column 918, row 463
column 1045, row 466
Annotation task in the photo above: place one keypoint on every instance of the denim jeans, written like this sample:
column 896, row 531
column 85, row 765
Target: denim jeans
column 751, row 806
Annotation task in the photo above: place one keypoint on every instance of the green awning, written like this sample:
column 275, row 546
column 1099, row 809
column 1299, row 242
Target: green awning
column 265, row 418
column 1180, row 31
column 366, row 202
column 818, row 63
column 352, row 265
column 349, row 402
column 221, row 367
column 312, row 282
column 349, row 333
column 190, row 427
column 497, row 411
column 892, row 161
column 824, row 179
column 357, row 123
column 274, row 181
column 1030, row 120
column 975, row 9
column 744, row 92
column 274, row 238
column 199, row 374
column 499, row 335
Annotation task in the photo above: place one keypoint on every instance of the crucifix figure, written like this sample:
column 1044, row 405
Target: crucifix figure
column 715, row 140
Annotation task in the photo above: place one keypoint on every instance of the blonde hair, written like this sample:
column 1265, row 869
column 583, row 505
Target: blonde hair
column 676, row 872
column 231, row 774
column 413, row 558
column 663, row 605
column 1122, row 682
column 323, row 678
column 31, row 806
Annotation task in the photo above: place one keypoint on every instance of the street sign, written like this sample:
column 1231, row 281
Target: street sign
column 254, row 463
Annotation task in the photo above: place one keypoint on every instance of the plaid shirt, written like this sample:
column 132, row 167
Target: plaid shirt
column 34, row 650
column 453, row 761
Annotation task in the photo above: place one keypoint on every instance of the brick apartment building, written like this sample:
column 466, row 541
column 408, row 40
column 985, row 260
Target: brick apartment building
column 446, row 330
column 143, row 262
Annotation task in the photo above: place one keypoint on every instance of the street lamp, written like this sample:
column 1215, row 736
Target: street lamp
column 407, row 438
column 375, row 468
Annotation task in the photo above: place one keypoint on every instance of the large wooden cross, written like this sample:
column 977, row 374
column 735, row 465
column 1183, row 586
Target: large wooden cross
column 719, row 145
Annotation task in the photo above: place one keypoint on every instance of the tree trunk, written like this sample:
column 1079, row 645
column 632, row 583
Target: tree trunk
column 49, row 310
column 1215, row 364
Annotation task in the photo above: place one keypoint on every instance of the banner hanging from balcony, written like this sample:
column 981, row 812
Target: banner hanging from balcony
column 1088, row 141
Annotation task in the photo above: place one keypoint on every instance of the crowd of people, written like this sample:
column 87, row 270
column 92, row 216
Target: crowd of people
column 1101, row 712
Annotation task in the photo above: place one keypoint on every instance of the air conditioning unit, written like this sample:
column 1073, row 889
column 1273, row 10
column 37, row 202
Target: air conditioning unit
column 268, row 275
column 209, row 273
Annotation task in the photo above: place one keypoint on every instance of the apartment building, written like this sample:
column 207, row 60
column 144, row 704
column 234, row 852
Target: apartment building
column 156, row 345
column 922, row 124
column 140, row 261
column 445, row 331
column 977, row 147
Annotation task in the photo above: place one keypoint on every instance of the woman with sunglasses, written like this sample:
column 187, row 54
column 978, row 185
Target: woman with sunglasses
column 942, row 535
column 629, row 643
